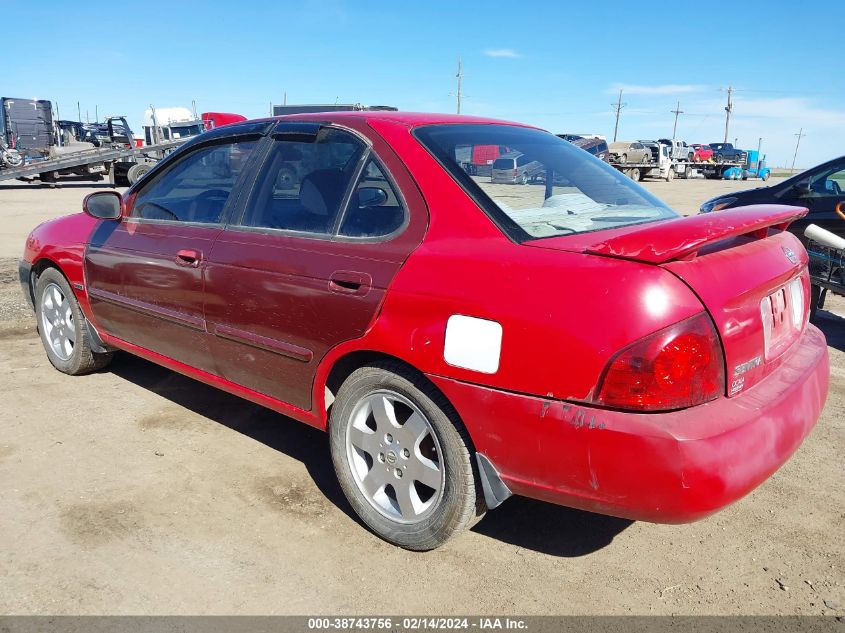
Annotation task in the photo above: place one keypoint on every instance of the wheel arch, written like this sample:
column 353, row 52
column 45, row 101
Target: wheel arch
column 72, row 274
column 337, row 370
column 38, row 267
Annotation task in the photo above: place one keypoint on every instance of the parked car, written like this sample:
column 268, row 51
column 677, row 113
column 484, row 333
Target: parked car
column 653, row 147
column 726, row 152
column 458, row 343
column 515, row 168
column 819, row 189
column 629, row 152
column 595, row 146
column 701, row 153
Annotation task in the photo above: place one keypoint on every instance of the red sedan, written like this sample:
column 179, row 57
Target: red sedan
column 461, row 341
column 701, row 153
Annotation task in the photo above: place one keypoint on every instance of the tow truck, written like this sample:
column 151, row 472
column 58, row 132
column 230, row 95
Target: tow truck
column 119, row 159
column 662, row 166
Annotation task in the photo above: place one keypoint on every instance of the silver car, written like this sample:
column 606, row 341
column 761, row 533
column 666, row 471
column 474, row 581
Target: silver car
column 629, row 152
column 515, row 168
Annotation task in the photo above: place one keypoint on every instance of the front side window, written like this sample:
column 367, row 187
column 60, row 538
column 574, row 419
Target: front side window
column 304, row 181
column 195, row 188
column 830, row 182
column 572, row 192
column 185, row 131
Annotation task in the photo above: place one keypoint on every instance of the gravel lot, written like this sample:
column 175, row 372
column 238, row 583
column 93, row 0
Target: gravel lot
column 139, row 491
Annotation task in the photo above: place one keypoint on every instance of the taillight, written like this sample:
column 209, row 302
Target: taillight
column 679, row 366
column 515, row 173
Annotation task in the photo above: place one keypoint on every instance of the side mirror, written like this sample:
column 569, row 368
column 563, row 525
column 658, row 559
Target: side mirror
column 103, row 205
column 371, row 197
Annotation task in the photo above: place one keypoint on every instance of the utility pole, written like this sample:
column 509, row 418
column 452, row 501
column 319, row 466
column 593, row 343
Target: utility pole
column 285, row 98
column 797, row 143
column 728, row 109
column 194, row 108
column 460, row 77
column 618, row 107
column 78, row 112
column 676, row 112
column 96, row 113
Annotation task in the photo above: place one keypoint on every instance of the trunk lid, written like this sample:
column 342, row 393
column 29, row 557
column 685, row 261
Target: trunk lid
column 749, row 272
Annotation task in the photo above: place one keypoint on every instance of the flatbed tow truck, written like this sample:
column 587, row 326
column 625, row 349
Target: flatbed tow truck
column 123, row 162
column 667, row 169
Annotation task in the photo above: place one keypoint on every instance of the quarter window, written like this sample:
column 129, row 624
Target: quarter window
column 829, row 183
column 197, row 187
column 304, row 183
column 374, row 209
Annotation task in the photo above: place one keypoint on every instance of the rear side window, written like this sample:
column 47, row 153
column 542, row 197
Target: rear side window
column 374, row 209
column 196, row 187
column 304, row 182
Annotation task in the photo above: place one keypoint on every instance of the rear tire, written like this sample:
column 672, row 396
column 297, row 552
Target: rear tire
column 62, row 327
column 389, row 429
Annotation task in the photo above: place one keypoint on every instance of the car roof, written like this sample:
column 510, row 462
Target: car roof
column 411, row 119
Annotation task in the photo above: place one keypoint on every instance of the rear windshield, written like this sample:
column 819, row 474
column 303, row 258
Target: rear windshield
column 503, row 163
column 571, row 192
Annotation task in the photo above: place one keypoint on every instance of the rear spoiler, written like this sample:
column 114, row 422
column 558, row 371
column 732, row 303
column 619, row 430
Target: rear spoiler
column 682, row 238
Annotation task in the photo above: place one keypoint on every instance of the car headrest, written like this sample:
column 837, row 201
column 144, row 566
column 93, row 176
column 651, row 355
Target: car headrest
column 321, row 191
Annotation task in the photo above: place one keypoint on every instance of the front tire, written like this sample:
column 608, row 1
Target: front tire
column 402, row 457
column 62, row 328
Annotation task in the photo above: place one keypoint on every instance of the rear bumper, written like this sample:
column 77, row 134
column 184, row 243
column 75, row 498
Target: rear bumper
column 667, row 468
column 24, row 274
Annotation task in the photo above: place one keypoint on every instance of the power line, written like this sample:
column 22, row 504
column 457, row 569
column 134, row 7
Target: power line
column 618, row 107
column 676, row 112
column 797, row 143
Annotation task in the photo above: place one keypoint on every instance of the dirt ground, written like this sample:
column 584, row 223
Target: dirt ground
column 139, row 491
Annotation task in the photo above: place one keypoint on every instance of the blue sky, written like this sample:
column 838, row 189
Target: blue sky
column 558, row 65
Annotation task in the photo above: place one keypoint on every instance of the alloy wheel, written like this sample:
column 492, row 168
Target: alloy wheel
column 57, row 321
column 395, row 457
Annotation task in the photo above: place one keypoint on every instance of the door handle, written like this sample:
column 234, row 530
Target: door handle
column 350, row 282
column 188, row 257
